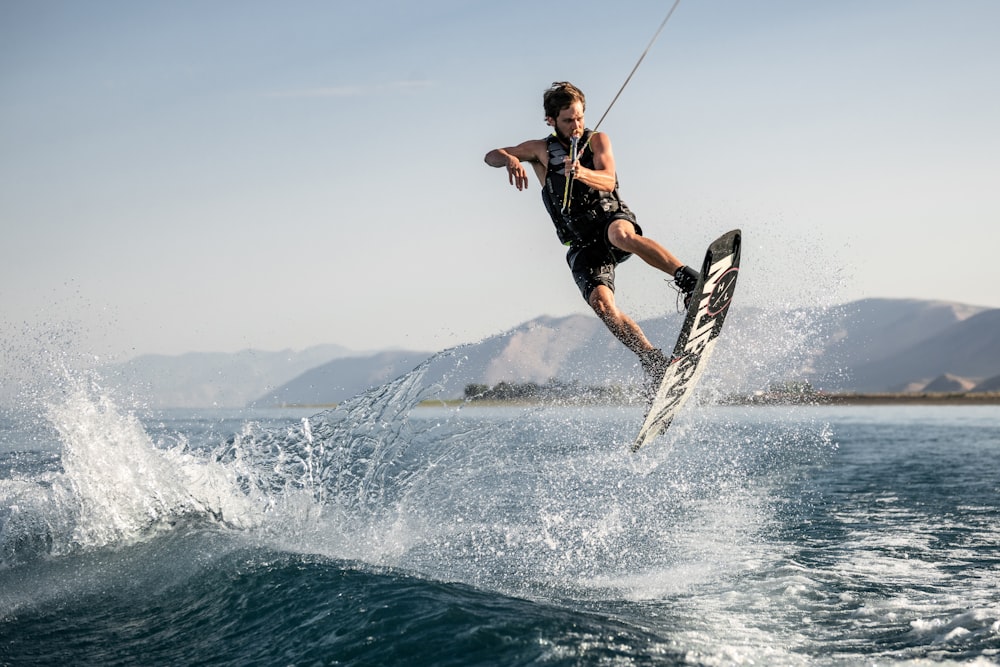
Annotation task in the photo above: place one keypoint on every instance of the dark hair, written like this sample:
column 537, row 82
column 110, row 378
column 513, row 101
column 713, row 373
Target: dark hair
column 559, row 96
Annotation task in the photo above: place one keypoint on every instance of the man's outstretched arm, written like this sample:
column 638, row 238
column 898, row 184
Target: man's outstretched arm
column 512, row 157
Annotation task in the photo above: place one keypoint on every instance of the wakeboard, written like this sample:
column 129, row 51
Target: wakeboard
column 699, row 334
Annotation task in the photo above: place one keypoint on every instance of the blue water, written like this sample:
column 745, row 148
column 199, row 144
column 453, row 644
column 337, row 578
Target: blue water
column 382, row 533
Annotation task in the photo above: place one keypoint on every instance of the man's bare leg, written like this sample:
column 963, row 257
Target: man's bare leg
column 624, row 328
column 621, row 234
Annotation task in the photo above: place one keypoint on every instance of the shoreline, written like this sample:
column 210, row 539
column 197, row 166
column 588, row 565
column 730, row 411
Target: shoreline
column 806, row 400
column 865, row 398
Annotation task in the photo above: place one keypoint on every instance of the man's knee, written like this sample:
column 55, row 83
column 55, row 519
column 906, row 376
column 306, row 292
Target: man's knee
column 602, row 300
column 621, row 234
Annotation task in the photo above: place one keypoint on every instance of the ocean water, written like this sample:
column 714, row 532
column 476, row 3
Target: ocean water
column 387, row 533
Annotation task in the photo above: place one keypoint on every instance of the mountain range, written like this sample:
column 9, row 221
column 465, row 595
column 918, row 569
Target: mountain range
column 872, row 345
column 210, row 379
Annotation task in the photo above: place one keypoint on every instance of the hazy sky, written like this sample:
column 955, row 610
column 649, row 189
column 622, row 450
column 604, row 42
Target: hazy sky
column 216, row 176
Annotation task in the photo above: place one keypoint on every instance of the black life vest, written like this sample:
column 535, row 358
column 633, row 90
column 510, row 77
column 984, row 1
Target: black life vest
column 581, row 221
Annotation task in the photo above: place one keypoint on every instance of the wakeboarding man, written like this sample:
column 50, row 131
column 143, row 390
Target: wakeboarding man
column 589, row 216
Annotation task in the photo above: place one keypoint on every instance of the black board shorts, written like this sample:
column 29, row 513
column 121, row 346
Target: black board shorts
column 594, row 264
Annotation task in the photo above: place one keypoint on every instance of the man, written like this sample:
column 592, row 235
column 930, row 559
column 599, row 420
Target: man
column 589, row 216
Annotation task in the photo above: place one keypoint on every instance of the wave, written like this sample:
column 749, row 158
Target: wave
column 110, row 483
column 377, row 481
column 378, row 532
column 254, row 606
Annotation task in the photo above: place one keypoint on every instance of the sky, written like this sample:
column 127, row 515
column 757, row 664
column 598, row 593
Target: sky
column 190, row 176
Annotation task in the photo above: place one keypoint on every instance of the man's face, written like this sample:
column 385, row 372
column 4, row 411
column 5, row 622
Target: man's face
column 569, row 122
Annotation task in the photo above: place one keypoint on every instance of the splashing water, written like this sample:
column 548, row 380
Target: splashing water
column 112, row 485
column 338, row 474
column 548, row 499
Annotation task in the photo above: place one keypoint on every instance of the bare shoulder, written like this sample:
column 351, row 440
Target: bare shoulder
column 604, row 158
column 600, row 140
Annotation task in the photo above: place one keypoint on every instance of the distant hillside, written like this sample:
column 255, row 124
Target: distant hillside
column 340, row 379
column 989, row 384
column 874, row 345
column 870, row 329
column 576, row 348
column 948, row 383
column 209, row 379
column 967, row 349
column 870, row 345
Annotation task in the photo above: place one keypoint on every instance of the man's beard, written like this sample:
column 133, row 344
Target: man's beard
column 564, row 138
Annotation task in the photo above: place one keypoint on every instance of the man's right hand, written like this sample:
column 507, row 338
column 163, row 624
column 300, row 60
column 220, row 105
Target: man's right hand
column 517, row 176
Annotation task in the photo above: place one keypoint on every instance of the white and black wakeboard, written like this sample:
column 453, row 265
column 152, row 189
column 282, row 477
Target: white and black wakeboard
column 698, row 336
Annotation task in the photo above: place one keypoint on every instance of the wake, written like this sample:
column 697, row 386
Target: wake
column 113, row 485
column 526, row 501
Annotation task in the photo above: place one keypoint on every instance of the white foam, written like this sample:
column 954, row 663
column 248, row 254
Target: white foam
column 116, row 484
